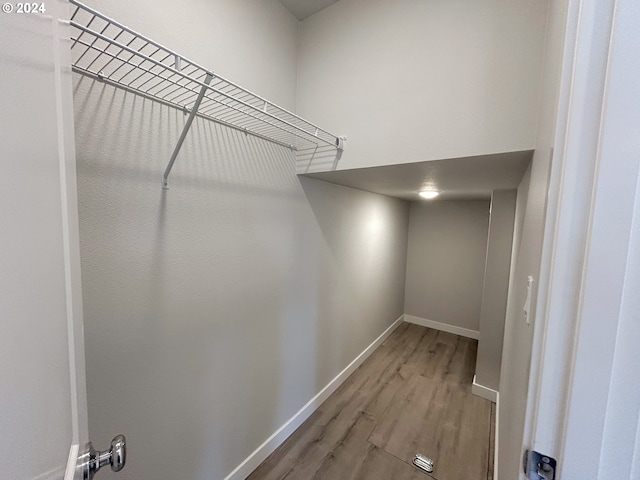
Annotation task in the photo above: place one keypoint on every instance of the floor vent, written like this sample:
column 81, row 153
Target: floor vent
column 423, row 463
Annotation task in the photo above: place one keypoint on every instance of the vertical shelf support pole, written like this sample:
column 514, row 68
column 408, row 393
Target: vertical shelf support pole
column 185, row 130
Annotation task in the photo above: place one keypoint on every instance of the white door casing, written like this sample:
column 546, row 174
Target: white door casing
column 42, row 379
column 584, row 395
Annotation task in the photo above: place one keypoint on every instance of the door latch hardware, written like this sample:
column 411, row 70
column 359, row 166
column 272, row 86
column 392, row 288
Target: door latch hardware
column 423, row 463
column 116, row 456
column 538, row 466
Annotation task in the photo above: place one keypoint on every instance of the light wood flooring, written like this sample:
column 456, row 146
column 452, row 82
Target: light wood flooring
column 412, row 395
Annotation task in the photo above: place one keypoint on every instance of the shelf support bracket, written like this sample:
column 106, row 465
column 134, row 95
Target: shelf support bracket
column 185, row 130
column 339, row 149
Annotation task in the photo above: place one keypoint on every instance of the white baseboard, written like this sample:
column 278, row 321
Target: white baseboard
column 464, row 332
column 484, row 392
column 243, row 470
column 495, row 447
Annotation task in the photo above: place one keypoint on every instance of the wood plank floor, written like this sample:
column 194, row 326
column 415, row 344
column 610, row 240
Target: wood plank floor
column 412, row 395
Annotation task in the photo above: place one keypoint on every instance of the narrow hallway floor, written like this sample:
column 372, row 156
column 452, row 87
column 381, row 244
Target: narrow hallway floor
column 412, row 395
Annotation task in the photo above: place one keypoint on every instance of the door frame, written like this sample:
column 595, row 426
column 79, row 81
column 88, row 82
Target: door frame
column 584, row 265
column 71, row 237
column 43, row 370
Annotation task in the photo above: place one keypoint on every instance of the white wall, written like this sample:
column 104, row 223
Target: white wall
column 531, row 211
column 518, row 335
column 418, row 80
column 446, row 260
column 216, row 309
column 496, row 288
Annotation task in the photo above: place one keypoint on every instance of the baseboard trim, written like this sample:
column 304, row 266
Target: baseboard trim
column 495, row 446
column 463, row 332
column 243, row 470
column 484, row 392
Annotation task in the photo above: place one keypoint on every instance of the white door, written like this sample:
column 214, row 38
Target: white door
column 43, row 414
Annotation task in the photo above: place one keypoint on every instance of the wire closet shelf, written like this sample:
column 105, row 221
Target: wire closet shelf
column 106, row 50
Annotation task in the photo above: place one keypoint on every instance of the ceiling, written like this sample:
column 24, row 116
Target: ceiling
column 457, row 178
column 301, row 9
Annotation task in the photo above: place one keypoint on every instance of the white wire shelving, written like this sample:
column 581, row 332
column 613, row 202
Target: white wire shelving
column 106, row 50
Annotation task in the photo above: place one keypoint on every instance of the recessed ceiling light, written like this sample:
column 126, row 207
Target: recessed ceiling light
column 429, row 194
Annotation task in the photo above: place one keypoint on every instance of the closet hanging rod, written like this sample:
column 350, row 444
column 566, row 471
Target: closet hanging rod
column 111, row 52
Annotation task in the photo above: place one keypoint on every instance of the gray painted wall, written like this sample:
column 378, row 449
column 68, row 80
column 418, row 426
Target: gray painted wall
column 215, row 310
column 446, row 260
column 531, row 210
column 496, row 288
column 420, row 80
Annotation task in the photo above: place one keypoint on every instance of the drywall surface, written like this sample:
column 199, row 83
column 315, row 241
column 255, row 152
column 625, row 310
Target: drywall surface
column 531, row 211
column 496, row 288
column 216, row 309
column 422, row 80
column 252, row 43
column 445, row 261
